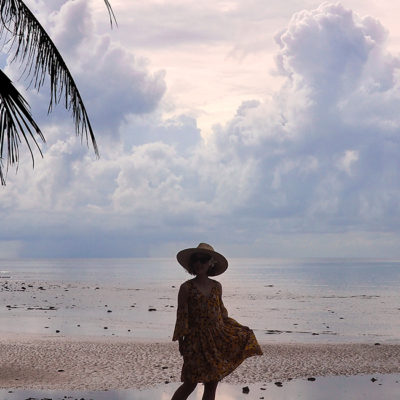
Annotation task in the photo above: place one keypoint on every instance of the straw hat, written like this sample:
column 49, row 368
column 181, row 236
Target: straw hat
column 220, row 262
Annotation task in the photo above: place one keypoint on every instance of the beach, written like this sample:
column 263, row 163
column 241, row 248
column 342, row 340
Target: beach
column 88, row 336
column 112, row 364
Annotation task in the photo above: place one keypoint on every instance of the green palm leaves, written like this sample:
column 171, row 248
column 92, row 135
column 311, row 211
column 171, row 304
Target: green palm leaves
column 34, row 49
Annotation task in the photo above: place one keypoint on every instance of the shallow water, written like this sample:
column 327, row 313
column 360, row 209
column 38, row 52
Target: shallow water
column 359, row 387
column 305, row 300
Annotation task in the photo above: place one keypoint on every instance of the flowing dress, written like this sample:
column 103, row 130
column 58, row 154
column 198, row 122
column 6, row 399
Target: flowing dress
column 213, row 345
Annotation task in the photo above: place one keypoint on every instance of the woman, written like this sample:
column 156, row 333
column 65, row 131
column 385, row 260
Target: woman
column 212, row 344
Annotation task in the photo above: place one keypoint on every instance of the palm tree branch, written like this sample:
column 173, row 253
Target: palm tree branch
column 15, row 121
column 111, row 13
column 33, row 46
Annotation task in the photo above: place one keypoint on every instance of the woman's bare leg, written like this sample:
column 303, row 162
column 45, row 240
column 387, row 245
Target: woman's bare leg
column 184, row 391
column 209, row 390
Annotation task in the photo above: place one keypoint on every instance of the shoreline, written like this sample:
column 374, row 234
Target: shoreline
column 93, row 363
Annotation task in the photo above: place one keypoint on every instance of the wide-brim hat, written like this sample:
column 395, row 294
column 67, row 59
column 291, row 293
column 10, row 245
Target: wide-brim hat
column 220, row 262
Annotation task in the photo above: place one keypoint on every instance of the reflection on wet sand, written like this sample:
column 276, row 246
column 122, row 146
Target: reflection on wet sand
column 360, row 387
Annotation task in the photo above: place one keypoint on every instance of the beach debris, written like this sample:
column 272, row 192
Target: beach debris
column 152, row 309
column 373, row 379
column 109, row 311
column 279, row 384
column 377, row 344
column 311, row 379
column 245, row 390
column 106, row 327
column 277, row 332
column 57, row 331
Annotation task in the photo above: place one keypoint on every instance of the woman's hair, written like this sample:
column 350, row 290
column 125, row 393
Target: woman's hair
column 190, row 266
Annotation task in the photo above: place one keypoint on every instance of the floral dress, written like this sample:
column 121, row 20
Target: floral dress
column 214, row 345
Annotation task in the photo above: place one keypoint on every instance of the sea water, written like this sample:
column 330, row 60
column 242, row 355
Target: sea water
column 282, row 300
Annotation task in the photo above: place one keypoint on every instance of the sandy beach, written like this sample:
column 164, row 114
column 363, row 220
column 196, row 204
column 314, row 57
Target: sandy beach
column 112, row 364
column 106, row 340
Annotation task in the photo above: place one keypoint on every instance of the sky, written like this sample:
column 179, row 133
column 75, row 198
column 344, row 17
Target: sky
column 266, row 130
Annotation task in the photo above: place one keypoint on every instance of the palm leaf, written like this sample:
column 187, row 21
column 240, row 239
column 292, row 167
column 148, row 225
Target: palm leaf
column 33, row 47
column 16, row 122
column 111, row 13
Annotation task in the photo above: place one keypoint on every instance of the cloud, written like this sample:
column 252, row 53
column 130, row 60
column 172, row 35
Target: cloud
column 327, row 145
column 314, row 164
column 113, row 81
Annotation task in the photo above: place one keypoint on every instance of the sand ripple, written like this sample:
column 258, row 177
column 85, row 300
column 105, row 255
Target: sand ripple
column 100, row 364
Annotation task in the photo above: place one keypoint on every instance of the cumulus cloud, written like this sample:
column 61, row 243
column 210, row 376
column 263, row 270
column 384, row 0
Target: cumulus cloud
column 320, row 158
column 328, row 144
column 113, row 81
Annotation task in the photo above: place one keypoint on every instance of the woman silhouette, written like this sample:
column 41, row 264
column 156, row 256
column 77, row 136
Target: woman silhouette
column 212, row 344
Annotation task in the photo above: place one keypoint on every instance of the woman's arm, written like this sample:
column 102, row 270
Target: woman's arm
column 183, row 311
column 224, row 311
column 182, row 323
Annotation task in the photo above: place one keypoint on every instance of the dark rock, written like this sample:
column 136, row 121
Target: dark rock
column 272, row 332
column 279, row 384
column 377, row 344
column 60, row 370
column 311, row 379
column 373, row 379
column 166, row 382
column 315, row 334
column 245, row 390
column 57, row 331
column 152, row 309
column 106, row 327
column 109, row 311
column 164, row 367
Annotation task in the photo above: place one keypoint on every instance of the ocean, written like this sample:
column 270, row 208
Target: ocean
column 282, row 300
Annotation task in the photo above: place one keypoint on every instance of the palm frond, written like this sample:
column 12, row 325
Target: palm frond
column 111, row 14
column 16, row 121
column 33, row 47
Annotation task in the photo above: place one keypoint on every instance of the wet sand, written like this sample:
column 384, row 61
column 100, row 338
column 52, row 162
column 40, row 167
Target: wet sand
column 360, row 387
column 47, row 362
